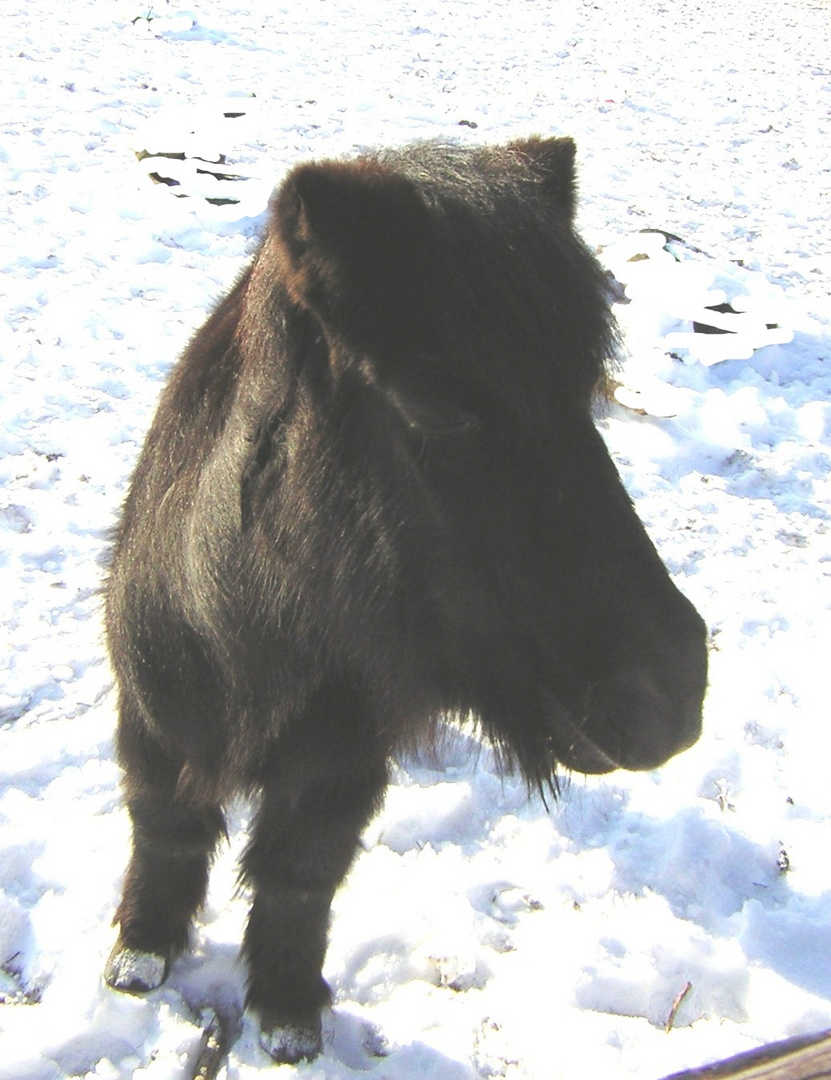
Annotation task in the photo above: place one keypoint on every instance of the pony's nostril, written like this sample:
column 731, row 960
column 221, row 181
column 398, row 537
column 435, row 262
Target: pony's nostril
column 638, row 723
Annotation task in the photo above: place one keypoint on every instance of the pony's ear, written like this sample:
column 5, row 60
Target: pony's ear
column 351, row 232
column 552, row 160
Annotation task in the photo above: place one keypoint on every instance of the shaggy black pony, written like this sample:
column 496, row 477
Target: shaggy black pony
column 373, row 495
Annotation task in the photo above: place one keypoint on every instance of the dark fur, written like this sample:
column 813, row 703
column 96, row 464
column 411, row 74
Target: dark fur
column 373, row 494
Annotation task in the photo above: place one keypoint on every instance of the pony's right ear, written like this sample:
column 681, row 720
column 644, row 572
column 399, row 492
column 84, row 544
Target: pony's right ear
column 350, row 231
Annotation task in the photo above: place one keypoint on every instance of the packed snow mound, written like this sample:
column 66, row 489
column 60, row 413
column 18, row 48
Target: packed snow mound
column 723, row 312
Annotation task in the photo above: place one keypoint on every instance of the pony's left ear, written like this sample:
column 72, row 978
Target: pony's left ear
column 552, row 160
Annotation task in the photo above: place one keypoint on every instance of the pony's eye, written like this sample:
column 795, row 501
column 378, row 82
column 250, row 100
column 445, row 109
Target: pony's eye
column 437, row 420
column 432, row 418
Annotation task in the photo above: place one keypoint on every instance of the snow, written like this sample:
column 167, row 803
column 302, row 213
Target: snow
column 480, row 934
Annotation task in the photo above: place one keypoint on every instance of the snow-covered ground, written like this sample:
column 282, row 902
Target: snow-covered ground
column 478, row 934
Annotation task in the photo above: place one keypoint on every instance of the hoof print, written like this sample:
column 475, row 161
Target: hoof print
column 375, row 1042
column 135, row 972
column 289, row 1043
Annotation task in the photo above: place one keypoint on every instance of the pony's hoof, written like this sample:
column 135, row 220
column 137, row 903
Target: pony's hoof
column 290, row 1043
column 135, row 972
